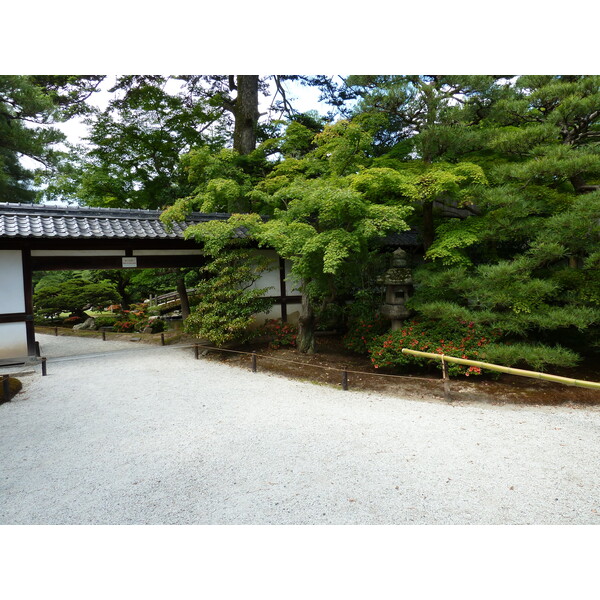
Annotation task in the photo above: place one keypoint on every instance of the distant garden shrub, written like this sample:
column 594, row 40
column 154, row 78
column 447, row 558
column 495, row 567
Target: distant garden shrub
column 155, row 325
column 124, row 326
column 71, row 321
column 107, row 321
column 281, row 334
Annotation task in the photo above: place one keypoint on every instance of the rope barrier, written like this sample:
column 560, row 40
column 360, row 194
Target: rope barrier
column 301, row 364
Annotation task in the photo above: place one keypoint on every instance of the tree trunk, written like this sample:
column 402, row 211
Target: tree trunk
column 428, row 225
column 246, row 114
column 183, row 296
column 306, row 327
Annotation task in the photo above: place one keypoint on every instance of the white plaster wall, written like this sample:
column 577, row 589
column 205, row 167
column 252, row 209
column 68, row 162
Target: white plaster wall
column 293, row 314
column 269, row 279
column 12, row 295
column 292, row 285
column 13, row 340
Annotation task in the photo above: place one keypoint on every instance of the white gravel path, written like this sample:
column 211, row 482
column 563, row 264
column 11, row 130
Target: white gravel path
column 153, row 436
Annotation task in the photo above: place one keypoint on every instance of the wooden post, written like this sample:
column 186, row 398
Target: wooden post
column 44, row 371
column 5, row 388
column 446, row 379
column 103, row 335
column 56, row 331
column 254, row 361
column 345, row 380
column 162, row 339
column 37, row 349
column 196, row 351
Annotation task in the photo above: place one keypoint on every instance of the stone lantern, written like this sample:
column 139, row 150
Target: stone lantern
column 398, row 283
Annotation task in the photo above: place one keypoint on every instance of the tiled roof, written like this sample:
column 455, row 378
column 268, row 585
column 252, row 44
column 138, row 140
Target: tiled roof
column 79, row 222
column 68, row 222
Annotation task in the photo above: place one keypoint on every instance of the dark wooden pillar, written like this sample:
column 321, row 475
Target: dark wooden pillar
column 282, row 290
column 28, row 294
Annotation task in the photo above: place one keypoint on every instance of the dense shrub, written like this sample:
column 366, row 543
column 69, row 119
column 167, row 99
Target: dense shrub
column 225, row 312
column 460, row 339
column 71, row 321
column 364, row 323
column 155, row 325
column 14, row 387
column 106, row 321
column 534, row 356
column 124, row 326
column 281, row 334
column 363, row 332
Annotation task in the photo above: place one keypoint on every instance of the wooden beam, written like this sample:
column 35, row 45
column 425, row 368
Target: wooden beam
column 74, row 263
column 21, row 317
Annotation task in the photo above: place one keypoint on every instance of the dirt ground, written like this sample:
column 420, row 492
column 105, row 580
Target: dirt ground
column 326, row 366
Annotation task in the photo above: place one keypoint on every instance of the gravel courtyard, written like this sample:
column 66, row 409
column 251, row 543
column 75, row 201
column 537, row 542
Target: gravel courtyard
column 149, row 435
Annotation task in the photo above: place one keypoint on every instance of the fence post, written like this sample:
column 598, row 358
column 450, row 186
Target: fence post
column 254, row 361
column 345, row 380
column 446, row 379
column 56, row 331
column 44, row 371
column 5, row 388
column 162, row 339
column 103, row 335
column 196, row 351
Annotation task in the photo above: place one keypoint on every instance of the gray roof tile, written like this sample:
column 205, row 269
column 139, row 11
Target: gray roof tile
column 43, row 221
column 68, row 222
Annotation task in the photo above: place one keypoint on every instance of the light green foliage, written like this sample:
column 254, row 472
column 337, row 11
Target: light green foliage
column 385, row 185
column 345, row 145
column 325, row 225
column 227, row 300
column 453, row 237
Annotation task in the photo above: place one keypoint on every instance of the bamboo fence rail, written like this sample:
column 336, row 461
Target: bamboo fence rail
column 509, row 370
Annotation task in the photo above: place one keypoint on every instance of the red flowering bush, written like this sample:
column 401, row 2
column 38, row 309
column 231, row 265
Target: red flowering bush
column 460, row 339
column 363, row 332
column 124, row 326
column 70, row 321
column 282, row 334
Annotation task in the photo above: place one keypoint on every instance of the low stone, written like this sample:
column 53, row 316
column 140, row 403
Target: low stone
column 89, row 323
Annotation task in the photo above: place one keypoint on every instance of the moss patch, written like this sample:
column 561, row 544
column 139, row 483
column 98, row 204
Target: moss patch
column 14, row 387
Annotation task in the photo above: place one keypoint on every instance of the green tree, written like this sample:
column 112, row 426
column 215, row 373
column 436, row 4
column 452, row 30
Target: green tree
column 73, row 296
column 320, row 220
column 529, row 262
column 29, row 106
column 229, row 299
column 427, row 121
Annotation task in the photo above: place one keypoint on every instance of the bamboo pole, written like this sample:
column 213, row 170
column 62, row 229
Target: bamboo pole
column 446, row 379
column 511, row 371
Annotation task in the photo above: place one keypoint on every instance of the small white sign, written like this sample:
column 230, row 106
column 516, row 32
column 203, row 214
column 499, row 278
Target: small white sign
column 129, row 262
